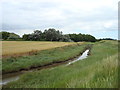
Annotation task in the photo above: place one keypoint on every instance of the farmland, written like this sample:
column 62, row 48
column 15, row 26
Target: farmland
column 43, row 57
column 99, row 70
column 16, row 48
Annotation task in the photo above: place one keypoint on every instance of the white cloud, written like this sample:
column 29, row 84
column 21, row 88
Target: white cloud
column 70, row 16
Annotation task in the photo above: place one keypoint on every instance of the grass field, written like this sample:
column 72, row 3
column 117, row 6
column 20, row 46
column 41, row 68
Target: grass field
column 12, row 48
column 41, row 58
column 99, row 70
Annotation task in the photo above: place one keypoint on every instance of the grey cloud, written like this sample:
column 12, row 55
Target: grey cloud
column 32, row 15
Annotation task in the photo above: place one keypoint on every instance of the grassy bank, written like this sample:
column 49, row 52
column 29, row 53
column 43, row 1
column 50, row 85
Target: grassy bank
column 41, row 58
column 99, row 70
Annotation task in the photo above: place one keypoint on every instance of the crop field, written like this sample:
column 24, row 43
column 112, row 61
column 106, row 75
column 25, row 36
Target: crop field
column 10, row 48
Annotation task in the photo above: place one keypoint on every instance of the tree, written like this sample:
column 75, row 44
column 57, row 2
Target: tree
column 52, row 35
column 55, row 35
column 82, row 37
column 0, row 35
column 13, row 36
column 37, row 35
column 26, row 37
column 5, row 35
column 74, row 37
column 8, row 36
column 66, row 38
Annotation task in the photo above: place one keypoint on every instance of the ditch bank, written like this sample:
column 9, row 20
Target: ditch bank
column 12, row 76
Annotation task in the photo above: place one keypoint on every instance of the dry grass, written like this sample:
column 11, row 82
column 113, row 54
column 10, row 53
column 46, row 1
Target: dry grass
column 10, row 48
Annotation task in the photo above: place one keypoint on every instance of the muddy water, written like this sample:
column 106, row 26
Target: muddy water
column 15, row 76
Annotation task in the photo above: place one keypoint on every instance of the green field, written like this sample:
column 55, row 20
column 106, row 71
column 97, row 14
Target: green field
column 99, row 70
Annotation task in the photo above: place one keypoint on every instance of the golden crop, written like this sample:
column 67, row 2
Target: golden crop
column 19, row 47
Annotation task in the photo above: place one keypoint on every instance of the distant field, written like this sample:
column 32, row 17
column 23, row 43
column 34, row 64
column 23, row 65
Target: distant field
column 19, row 47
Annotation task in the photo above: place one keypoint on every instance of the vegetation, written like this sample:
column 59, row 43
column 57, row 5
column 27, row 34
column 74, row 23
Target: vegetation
column 18, row 48
column 13, row 36
column 9, row 36
column 41, row 58
column 82, row 37
column 99, row 70
column 48, row 35
column 106, row 39
column 56, row 35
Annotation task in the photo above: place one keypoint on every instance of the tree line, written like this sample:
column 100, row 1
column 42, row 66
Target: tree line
column 8, row 36
column 47, row 35
column 50, row 34
column 106, row 39
column 82, row 37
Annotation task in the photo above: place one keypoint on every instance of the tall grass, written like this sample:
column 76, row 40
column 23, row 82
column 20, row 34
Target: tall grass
column 106, row 73
column 99, row 70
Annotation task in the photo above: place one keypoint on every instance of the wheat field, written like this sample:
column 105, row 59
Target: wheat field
column 20, row 47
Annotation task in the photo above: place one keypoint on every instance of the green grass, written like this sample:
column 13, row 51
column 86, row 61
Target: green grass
column 41, row 58
column 99, row 70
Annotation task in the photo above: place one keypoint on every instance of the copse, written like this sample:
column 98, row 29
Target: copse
column 4, row 35
column 106, row 39
column 82, row 37
column 35, row 36
column 8, row 36
column 52, row 35
column 48, row 35
column 13, row 36
column 26, row 37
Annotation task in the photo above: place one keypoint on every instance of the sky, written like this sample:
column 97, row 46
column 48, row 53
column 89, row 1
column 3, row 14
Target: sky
column 96, row 17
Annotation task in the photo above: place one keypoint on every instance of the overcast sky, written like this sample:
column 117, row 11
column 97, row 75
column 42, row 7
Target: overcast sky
column 95, row 17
